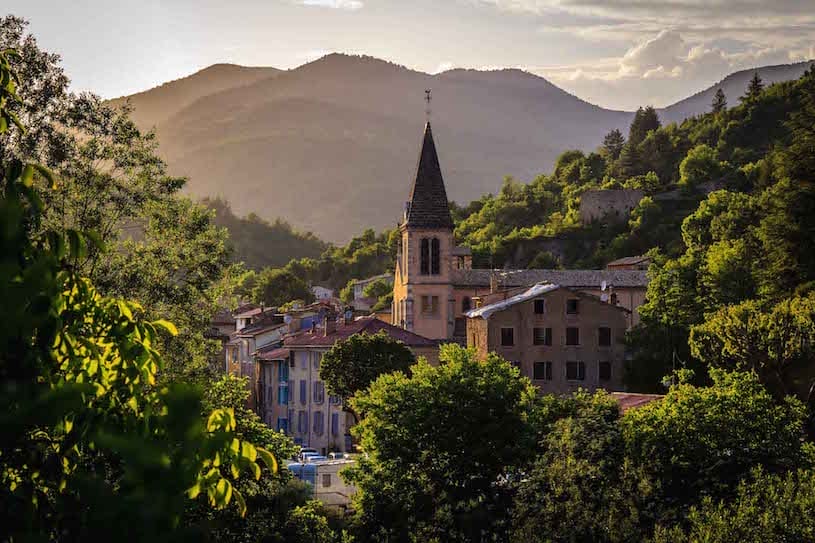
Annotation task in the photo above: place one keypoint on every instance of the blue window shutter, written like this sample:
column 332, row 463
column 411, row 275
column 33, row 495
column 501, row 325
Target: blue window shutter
column 303, row 392
column 335, row 424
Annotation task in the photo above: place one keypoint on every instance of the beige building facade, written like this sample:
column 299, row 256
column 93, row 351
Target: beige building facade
column 561, row 338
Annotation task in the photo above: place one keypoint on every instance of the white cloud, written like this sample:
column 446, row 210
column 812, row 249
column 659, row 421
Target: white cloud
column 351, row 5
column 662, row 68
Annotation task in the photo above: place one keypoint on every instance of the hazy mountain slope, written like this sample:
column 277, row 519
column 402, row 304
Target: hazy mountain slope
column 734, row 85
column 154, row 106
column 331, row 146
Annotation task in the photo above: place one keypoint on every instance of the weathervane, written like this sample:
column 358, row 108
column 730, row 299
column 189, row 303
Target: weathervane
column 427, row 99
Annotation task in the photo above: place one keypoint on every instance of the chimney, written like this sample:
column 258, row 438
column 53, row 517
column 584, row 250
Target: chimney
column 330, row 324
column 493, row 282
column 477, row 301
column 348, row 315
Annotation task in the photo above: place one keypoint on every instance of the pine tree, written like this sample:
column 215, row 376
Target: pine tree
column 753, row 89
column 645, row 120
column 613, row 144
column 719, row 102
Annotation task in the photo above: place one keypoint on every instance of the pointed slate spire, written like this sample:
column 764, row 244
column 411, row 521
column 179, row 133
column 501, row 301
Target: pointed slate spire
column 428, row 206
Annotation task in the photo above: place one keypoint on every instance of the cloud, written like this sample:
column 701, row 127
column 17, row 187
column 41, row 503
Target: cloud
column 660, row 68
column 351, row 5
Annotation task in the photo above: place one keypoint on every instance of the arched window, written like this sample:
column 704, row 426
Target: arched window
column 466, row 304
column 424, row 257
column 435, row 260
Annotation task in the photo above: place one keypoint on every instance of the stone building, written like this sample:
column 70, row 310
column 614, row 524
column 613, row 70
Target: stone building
column 292, row 395
column 561, row 338
column 435, row 285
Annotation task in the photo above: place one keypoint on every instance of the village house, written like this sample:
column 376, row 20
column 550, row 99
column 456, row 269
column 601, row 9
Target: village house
column 560, row 338
column 435, row 285
column 362, row 302
column 292, row 395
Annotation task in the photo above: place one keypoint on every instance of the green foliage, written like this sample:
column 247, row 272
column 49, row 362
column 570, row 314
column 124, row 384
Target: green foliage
column 719, row 103
column 768, row 508
column 86, row 433
column 575, row 489
column 699, row 166
column 260, row 244
column 702, row 441
column 443, row 476
column 377, row 289
column 776, row 342
column 645, row 121
column 613, row 144
column 754, row 88
column 275, row 287
column 351, row 365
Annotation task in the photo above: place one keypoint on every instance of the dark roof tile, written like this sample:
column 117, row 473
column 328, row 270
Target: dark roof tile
column 428, row 207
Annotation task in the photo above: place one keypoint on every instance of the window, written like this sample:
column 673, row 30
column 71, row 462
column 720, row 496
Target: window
column 466, row 304
column 604, row 336
column 335, row 424
column 460, row 327
column 540, row 306
column 576, row 371
column 315, row 362
column 542, row 336
column 507, row 337
column 333, row 399
column 424, row 257
column 542, row 371
column 282, row 425
column 318, row 423
column 326, row 479
column 303, row 392
column 613, row 298
column 283, row 372
column 430, row 305
column 302, row 422
column 435, row 257
column 319, row 392
column 572, row 336
column 572, row 306
column 604, row 371
column 283, row 394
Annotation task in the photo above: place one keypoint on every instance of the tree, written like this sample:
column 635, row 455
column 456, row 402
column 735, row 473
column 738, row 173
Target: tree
column 776, row 343
column 275, row 287
column 754, row 88
column 573, row 491
column 703, row 441
column 645, row 120
column 377, row 289
column 85, row 433
column 351, row 365
column 444, row 474
column 613, row 144
column 719, row 102
column 699, row 166
column 767, row 508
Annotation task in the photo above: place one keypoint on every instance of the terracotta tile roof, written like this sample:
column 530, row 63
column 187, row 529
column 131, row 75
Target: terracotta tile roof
column 428, row 207
column 564, row 278
column 273, row 352
column 632, row 400
column 366, row 325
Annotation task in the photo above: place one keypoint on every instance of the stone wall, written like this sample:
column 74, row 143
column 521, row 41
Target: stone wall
column 608, row 205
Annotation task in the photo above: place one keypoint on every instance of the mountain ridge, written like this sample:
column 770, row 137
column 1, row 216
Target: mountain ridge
column 330, row 146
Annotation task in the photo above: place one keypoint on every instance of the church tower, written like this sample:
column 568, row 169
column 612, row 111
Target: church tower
column 423, row 292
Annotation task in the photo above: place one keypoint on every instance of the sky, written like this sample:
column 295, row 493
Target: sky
column 618, row 54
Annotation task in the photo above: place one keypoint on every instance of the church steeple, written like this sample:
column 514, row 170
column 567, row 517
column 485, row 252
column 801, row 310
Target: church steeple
column 428, row 206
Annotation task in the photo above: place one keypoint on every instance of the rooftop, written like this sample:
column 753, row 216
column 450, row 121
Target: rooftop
column 629, row 261
column 363, row 325
column 564, row 278
column 537, row 290
column 428, row 206
column 632, row 400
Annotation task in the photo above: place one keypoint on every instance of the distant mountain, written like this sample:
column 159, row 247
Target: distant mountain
column 331, row 146
column 733, row 86
column 156, row 105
